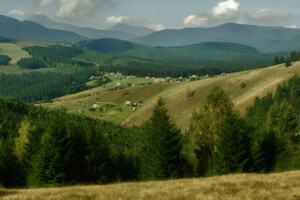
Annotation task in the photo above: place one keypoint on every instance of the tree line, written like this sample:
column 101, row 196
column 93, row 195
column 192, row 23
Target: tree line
column 40, row 147
column 51, row 56
column 294, row 56
column 42, row 87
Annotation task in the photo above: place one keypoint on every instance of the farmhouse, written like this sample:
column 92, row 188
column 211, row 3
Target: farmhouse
column 95, row 106
column 128, row 103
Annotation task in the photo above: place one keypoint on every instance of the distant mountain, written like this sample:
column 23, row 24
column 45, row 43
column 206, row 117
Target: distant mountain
column 265, row 39
column 30, row 31
column 134, row 30
column 87, row 32
column 192, row 54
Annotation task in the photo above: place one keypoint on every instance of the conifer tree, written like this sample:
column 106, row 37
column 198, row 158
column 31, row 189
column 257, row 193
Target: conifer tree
column 276, row 60
column 165, row 140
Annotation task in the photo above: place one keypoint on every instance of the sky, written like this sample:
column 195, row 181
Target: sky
column 158, row 14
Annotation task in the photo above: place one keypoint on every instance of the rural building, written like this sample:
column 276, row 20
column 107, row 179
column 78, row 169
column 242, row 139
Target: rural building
column 128, row 103
column 95, row 106
column 118, row 84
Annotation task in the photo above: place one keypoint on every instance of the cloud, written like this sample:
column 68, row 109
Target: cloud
column 117, row 20
column 156, row 27
column 292, row 26
column 266, row 17
column 18, row 13
column 223, row 11
column 72, row 10
column 134, row 22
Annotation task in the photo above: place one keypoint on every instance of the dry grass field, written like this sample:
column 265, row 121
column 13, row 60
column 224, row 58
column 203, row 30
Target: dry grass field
column 255, row 83
column 279, row 186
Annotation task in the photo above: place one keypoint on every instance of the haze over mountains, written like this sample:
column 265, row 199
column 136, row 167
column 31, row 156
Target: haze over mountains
column 265, row 39
column 125, row 32
column 41, row 28
column 30, row 31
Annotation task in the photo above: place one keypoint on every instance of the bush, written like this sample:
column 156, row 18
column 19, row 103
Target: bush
column 4, row 60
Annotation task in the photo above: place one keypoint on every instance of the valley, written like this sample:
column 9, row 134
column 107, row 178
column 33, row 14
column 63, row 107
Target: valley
column 257, row 84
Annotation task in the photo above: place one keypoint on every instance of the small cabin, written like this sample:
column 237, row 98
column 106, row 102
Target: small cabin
column 95, row 106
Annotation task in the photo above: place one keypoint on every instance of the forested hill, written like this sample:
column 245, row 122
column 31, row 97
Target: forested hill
column 192, row 54
column 42, row 148
column 30, row 31
column 266, row 39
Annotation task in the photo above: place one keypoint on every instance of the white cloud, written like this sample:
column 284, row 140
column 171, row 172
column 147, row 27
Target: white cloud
column 292, row 26
column 134, row 22
column 44, row 2
column 72, row 10
column 266, row 17
column 223, row 11
column 117, row 20
column 156, row 27
column 18, row 13
column 194, row 21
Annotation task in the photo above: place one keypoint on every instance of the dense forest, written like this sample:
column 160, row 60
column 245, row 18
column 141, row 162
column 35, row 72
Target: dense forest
column 51, row 56
column 42, row 87
column 40, row 147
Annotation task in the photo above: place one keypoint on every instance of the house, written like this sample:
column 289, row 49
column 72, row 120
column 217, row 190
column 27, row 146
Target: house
column 118, row 84
column 128, row 103
column 81, row 111
column 95, row 106
column 180, row 79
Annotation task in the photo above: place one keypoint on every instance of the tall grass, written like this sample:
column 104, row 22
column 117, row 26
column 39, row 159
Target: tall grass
column 236, row 187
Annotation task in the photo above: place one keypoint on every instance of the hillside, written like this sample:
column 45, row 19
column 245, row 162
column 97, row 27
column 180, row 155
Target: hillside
column 265, row 39
column 231, row 187
column 92, row 33
column 191, row 54
column 258, row 82
column 30, row 31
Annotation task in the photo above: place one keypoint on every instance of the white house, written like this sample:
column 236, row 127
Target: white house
column 95, row 106
column 128, row 103
column 118, row 84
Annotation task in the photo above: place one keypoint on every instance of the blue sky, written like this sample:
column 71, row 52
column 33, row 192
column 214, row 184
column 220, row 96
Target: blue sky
column 158, row 14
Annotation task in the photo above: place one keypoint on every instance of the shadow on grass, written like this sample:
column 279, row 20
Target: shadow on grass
column 5, row 192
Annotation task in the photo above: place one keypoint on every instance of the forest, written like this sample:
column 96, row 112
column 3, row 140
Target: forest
column 42, row 87
column 44, row 148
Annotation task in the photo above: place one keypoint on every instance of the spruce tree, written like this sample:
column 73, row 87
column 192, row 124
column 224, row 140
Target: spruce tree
column 276, row 60
column 288, row 62
column 165, row 140
column 282, row 60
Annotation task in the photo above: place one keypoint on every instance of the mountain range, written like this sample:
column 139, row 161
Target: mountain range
column 30, row 31
column 265, row 39
column 119, row 31
column 43, row 29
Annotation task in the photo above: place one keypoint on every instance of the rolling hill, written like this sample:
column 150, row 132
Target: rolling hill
column 191, row 54
column 265, row 39
column 231, row 187
column 30, row 31
column 257, row 83
column 123, row 31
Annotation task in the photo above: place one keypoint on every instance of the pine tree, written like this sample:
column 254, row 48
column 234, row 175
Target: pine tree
column 282, row 60
column 288, row 62
column 276, row 60
column 165, row 140
column 233, row 146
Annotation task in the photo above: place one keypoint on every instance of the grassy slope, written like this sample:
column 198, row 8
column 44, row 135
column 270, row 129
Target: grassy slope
column 231, row 187
column 258, row 83
column 14, row 51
